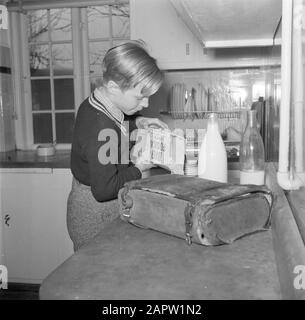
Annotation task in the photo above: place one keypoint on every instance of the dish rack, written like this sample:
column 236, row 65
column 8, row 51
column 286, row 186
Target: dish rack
column 197, row 101
column 202, row 114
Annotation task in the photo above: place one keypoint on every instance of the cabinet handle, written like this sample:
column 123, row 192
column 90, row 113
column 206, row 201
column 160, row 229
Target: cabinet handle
column 7, row 218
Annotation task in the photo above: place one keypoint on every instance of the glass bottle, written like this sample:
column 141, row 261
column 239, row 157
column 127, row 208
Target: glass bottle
column 252, row 153
column 212, row 159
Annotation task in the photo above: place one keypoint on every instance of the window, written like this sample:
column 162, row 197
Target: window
column 107, row 26
column 51, row 75
column 60, row 63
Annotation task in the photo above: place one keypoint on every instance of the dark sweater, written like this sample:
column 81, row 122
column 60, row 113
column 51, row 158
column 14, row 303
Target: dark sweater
column 105, row 179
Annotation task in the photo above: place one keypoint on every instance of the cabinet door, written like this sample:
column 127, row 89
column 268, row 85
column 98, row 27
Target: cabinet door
column 15, row 208
column 169, row 40
column 34, row 211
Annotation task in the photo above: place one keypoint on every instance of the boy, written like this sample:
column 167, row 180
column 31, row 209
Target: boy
column 130, row 76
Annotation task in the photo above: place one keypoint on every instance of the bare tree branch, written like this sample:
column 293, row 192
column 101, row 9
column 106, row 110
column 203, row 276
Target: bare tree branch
column 41, row 21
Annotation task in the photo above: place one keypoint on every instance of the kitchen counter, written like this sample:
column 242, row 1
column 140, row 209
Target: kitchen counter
column 296, row 200
column 126, row 262
column 29, row 159
column 61, row 159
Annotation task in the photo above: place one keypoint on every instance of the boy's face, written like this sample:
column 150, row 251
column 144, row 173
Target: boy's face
column 131, row 100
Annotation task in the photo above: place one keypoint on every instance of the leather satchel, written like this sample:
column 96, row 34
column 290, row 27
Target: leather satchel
column 199, row 210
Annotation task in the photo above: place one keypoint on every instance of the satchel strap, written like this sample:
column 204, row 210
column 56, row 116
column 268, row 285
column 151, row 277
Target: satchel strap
column 194, row 189
column 188, row 214
column 127, row 201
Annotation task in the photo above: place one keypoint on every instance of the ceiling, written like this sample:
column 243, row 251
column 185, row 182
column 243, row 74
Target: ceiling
column 228, row 23
column 231, row 23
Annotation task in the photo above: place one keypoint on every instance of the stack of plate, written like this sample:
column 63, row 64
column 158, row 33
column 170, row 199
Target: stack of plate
column 191, row 167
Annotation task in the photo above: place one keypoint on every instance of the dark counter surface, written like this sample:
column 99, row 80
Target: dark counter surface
column 61, row 159
column 297, row 202
column 126, row 262
column 29, row 159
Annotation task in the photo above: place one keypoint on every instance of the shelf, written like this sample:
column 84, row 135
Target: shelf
column 202, row 114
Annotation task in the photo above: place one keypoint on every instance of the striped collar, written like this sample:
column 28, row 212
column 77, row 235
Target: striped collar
column 102, row 103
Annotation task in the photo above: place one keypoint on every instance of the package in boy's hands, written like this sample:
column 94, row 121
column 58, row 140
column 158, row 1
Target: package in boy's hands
column 161, row 147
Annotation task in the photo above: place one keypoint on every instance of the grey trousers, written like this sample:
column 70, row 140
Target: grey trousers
column 86, row 217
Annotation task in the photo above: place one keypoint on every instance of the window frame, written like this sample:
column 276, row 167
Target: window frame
column 51, row 77
column 21, row 69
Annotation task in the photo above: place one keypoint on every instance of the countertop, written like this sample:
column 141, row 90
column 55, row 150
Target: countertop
column 126, row 262
column 29, row 159
column 61, row 159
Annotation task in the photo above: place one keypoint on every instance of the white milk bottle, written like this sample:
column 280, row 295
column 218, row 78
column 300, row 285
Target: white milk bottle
column 212, row 159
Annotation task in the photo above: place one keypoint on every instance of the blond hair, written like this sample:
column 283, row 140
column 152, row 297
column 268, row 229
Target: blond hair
column 129, row 64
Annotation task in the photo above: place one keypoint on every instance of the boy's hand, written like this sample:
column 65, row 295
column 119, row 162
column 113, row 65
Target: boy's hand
column 145, row 123
column 139, row 160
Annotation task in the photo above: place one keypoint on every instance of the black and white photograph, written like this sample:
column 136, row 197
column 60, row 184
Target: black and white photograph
column 152, row 154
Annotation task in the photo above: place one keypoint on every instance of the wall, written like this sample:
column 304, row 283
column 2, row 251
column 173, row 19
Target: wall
column 7, row 133
column 184, row 60
column 173, row 44
column 230, row 90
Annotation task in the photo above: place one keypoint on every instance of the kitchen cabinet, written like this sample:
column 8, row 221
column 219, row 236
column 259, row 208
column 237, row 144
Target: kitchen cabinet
column 33, row 209
column 175, row 46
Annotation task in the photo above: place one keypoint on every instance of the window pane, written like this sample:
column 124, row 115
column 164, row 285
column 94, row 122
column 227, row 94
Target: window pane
column 41, row 94
column 42, row 125
column 60, row 20
column 37, row 25
column 97, row 51
column 120, row 21
column 95, row 82
column 39, row 60
column 98, row 22
column 64, row 127
column 64, row 94
column 62, row 59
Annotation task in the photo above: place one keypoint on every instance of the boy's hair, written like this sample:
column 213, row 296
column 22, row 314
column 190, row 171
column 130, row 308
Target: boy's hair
column 129, row 64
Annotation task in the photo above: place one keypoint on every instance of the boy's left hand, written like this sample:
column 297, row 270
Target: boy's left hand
column 145, row 123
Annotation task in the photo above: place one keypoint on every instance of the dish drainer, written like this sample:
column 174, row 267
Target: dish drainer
column 235, row 114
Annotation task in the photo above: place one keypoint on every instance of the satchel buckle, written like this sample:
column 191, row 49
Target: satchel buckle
column 188, row 239
column 126, row 213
